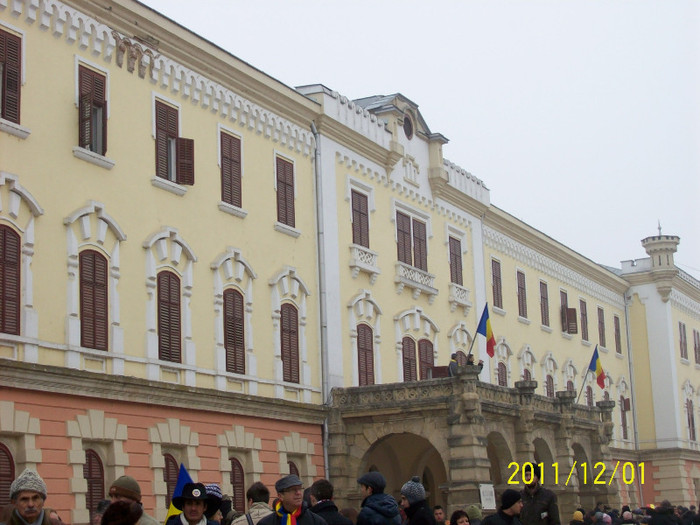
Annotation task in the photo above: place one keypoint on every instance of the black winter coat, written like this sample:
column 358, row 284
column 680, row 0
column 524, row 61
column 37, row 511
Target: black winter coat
column 379, row 509
column 419, row 513
column 329, row 512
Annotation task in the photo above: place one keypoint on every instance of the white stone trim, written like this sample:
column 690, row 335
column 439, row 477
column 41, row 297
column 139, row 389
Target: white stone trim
column 245, row 447
column 298, row 447
column 364, row 309
column 418, row 325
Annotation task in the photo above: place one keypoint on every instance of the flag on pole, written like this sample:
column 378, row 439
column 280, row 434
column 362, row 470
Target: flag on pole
column 183, row 477
column 484, row 329
column 597, row 368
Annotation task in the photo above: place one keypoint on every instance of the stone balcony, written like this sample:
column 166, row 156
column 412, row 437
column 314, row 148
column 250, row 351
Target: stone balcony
column 459, row 297
column 418, row 280
column 364, row 260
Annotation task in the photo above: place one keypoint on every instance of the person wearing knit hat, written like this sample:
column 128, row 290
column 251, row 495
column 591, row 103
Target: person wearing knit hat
column 28, row 494
column 474, row 514
column 414, row 504
column 539, row 504
column 127, row 489
column 577, row 518
column 378, row 508
column 511, row 504
column 214, row 497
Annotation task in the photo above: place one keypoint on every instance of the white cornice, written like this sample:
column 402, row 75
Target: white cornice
column 526, row 255
column 99, row 40
column 685, row 304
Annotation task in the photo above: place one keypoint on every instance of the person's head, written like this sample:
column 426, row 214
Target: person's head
column 321, row 490
column 192, row 502
column 412, row 492
column 607, row 519
column 511, row 502
column 439, row 513
column 470, row 359
column 257, row 493
column 371, row 483
column 531, row 473
column 459, row 517
column 125, row 488
column 474, row 512
column 290, row 492
column 453, row 357
column 577, row 516
column 122, row 513
column 214, row 497
column 627, row 516
column 100, row 509
column 28, row 494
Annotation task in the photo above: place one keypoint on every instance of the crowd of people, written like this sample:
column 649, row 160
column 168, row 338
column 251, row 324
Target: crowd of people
column 204, row 504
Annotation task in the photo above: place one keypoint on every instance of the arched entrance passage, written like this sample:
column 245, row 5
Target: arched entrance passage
column 399, row 457
column 587, row 492
column 544, row 456
column 500, row 457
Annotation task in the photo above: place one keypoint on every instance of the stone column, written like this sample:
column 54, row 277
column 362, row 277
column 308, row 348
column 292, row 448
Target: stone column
column 563, row 434
column 524, row 447
column 609, row 492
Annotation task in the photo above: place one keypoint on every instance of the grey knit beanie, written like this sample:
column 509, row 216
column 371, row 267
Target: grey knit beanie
column 413, row 490
column 28, row 480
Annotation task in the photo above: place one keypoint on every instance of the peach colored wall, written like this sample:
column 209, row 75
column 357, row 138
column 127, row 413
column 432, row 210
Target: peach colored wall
column 53, row 411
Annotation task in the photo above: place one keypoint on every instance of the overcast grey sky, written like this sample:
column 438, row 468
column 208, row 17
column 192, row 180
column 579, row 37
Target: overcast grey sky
column 582, row 117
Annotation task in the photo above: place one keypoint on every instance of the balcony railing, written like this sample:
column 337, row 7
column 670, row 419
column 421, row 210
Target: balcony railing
column 418, row 280
column 459, row 296
column 363, row 260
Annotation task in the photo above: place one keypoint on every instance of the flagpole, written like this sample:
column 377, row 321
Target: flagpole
column 471, row 346
column 583, row 384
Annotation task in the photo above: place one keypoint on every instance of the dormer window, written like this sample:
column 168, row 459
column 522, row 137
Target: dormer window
column 408, row 126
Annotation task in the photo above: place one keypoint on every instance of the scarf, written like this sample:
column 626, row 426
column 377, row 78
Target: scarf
column 286, row 517
column 38, row 520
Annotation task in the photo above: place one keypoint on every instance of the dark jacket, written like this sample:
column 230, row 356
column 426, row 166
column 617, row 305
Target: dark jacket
column 500, row 518
column 16, row 520
column 379, row 509
column 419, row 513
column 543, row 501
column 305, row 518
column 664, row 516
column 329, row 512
column 175, row 520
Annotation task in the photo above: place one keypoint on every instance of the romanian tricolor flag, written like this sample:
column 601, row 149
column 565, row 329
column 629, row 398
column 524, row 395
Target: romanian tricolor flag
column 484, row 329
column 183, row 477
column 597, row 368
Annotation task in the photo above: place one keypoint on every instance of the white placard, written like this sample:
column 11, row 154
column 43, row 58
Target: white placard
column 488, row 496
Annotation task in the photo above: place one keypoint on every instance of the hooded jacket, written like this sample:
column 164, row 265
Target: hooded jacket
column 379, row 509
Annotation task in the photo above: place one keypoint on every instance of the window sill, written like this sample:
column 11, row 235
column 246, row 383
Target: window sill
column 232, row 210
column 363, row 260
column 603, row 349
column 586, row 343
column 685, row 361
column 14, row 129
column 546, row 328
column 567, row 335
column 524, row 320
column 166, row 185
column 620, row 356
column 499, row 311
column 287, row 230
column 93, row 158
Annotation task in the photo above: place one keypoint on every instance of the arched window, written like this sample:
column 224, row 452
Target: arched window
column 589, row 396
column 365, row 355
column 93, row 300
column 691, row 420
column 549, row 386
column 425, row 355
column 290, row 343
column 94, row 475
column 623, row 418
column 10, row 259
column 7, row 474
column 169, row 330
column 570, row 385
column 527, row 376
column 408, row 351
column 170, row 473
column 234, row 337
column 238, row 484
column 461, row 358
column 502, row 374
column 293, row 468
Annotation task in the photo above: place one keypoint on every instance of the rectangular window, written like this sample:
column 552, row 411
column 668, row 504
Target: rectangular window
column 10, row 267
column 10, row 75
column 231, row 170
column 522, row 295
column 360, row 219
column 544, row 303
column 174, row 154
column 683, row 341
column 601, row 327
column 584, row 320
column 456, row 261
column 569, row 323
column 696, row 346
column 618, row 335
column 496, row 283
column 285, row 192
column 169, row 328
column 94, row 323
column 412, row 244
column 234, row 331
column 289, row 346
column 92, row 125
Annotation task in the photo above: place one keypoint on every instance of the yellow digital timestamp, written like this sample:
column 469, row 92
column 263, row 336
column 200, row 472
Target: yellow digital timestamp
column 627, row 471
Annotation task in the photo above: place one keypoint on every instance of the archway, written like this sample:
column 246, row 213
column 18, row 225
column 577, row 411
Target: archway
column 500, row 457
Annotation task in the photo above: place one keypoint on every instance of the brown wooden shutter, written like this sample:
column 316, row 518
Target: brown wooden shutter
column 7, row 474
column 285, row 192
column 93, row 472
column 403, row 238
column 601, row 327
column 93, row 95
column 584, row 319
column 10, row 259
column 408, row 349
column 11, row 60
column 238, row 484
column 502, row 375
column 169, row 330
column 293, row 469
column 231, row 170
column 185, row 161
column 170, row 473
column 100, row 100
column 234, row 338
column 420, row 246
column 360, row 219
column 85, row 124
column 94, row 322
column 522, row 295
column 544, row 303
column 365, row 355
column 618, row 335
column 572, row 322
column 166, row 130
column 497, row 287
column 564, row 310
column 455, row 261
column 427, row 361
column 290, row 343
column 549, row 386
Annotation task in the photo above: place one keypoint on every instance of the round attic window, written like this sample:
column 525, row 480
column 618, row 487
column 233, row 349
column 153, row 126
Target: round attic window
column 408, row 126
